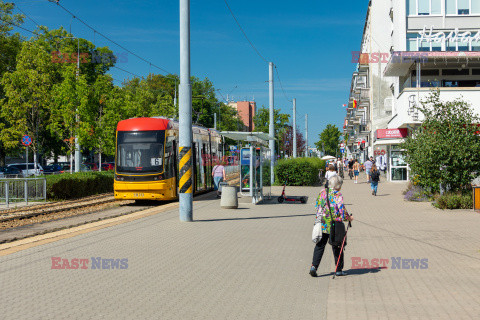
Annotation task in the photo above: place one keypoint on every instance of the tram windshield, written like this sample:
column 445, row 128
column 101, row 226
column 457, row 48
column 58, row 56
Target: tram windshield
column 140, row 151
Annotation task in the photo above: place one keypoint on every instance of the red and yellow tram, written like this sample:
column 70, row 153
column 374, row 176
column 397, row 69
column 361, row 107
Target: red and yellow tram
column 146, row 160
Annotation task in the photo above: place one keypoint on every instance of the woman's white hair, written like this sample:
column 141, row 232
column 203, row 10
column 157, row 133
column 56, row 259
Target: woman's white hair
column 335, row 182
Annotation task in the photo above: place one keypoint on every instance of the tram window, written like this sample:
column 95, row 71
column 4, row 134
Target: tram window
column 140, row 152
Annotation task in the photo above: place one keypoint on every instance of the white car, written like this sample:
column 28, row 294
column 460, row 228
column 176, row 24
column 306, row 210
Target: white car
column 31, row 170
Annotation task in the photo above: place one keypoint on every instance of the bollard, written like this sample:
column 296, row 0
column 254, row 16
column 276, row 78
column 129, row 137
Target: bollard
column 229, row 198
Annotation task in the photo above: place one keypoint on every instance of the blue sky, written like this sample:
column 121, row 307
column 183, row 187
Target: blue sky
column 310, row 42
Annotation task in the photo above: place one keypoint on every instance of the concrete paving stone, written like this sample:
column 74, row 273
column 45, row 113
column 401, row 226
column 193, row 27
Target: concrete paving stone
column 252, row 263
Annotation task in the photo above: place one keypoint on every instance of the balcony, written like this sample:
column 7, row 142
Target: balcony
column 404, row 107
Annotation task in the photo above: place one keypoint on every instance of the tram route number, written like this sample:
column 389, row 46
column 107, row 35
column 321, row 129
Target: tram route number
column 139, row 195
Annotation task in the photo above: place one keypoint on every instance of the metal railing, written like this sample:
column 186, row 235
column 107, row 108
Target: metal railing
column 22, row 190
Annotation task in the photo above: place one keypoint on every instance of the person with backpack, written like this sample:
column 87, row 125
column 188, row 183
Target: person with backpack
column 330, row 210
column 375, row 178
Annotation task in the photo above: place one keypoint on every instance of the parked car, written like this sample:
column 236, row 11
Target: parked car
column 10, row 172
column 91, row 166
column 108, row 166
column 53, row 169
column 31, row 168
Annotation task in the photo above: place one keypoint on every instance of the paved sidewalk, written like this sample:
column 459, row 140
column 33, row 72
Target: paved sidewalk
column 252, row 263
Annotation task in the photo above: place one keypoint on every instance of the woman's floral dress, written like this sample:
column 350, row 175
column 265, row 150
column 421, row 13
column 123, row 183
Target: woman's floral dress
column 337, row 209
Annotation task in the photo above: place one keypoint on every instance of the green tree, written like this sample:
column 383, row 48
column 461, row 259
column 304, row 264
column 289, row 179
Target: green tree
column 262, row 121
column 28, row 97
column 445, row 148
column 10, row 47
column 329, row 140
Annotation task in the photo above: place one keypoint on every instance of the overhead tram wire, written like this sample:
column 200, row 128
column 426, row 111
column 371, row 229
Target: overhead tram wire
column 256, row 50
column 37, row 34
column 244, row 34
column 26, row 15
column 281, row 85
column 107, row 38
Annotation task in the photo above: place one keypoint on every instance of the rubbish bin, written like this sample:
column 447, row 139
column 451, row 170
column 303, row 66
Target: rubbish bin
column 476, row 198
column 229, row 198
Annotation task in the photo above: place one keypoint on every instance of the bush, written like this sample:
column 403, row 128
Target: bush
column 416, row 193
column 77, row 185
column 300, row 171
column 454, row 201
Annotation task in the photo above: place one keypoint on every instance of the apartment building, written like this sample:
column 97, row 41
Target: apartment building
column 246, row 111
column 408, row 48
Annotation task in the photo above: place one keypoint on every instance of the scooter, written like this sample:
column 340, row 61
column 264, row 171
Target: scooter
column 293, row 199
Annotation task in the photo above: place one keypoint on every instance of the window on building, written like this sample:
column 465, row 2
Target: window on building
column 423, row 7
column 475, row 45
column 412, row 7
column 463, row 6
column 436, row 46
column 476, row 6
column 412, row 42
column 455, row 72
column 436, row 7
column 451, row 6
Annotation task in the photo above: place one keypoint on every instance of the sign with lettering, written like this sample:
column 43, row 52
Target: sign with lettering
column 391, row 133
column 453, row 36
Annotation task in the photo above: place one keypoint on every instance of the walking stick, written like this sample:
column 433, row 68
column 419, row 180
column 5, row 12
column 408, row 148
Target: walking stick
column 341, row 249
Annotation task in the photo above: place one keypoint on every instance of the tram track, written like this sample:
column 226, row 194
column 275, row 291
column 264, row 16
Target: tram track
column 52, row 208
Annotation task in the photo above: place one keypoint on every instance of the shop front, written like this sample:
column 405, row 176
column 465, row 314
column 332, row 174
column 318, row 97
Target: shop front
column 388, row 154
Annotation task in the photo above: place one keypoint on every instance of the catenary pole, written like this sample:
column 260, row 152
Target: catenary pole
column 294, row 128
column 271, row 128
column 185, row 117
column 77, row 143
column 306, row 133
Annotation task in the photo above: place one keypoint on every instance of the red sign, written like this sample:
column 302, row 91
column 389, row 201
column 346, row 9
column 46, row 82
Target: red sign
column 392, row 133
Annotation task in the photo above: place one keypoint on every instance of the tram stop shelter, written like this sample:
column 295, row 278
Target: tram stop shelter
column 251, row 168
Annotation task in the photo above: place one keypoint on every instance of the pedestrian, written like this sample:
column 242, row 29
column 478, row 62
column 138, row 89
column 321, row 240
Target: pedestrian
column 375, row 178
column 333, row 208
column 356, row 170
column 368, row 166
column 350, row 168
column 218, row 174
column 330, row 172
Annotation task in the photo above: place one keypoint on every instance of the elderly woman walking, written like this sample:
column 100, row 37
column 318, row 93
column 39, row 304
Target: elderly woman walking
column 329, row 206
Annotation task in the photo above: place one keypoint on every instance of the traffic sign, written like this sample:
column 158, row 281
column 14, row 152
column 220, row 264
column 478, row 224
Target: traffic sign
column 26, row 140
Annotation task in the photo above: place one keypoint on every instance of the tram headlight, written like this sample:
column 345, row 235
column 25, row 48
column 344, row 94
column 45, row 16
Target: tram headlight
column 119, row 178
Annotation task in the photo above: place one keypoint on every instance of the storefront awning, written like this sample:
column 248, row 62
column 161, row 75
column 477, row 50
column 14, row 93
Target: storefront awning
column 385, row 142
column 401, row 61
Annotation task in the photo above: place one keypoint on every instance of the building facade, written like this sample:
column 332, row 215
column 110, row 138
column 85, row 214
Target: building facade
column 246, row 110
column 408, row 49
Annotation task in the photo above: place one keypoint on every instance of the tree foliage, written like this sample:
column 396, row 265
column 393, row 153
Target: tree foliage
column 445, row 149
column 262, row 121
column 329, row 140
column 45, row 95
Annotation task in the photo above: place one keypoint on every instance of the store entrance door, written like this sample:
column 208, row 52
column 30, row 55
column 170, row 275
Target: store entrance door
column 398, row 166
